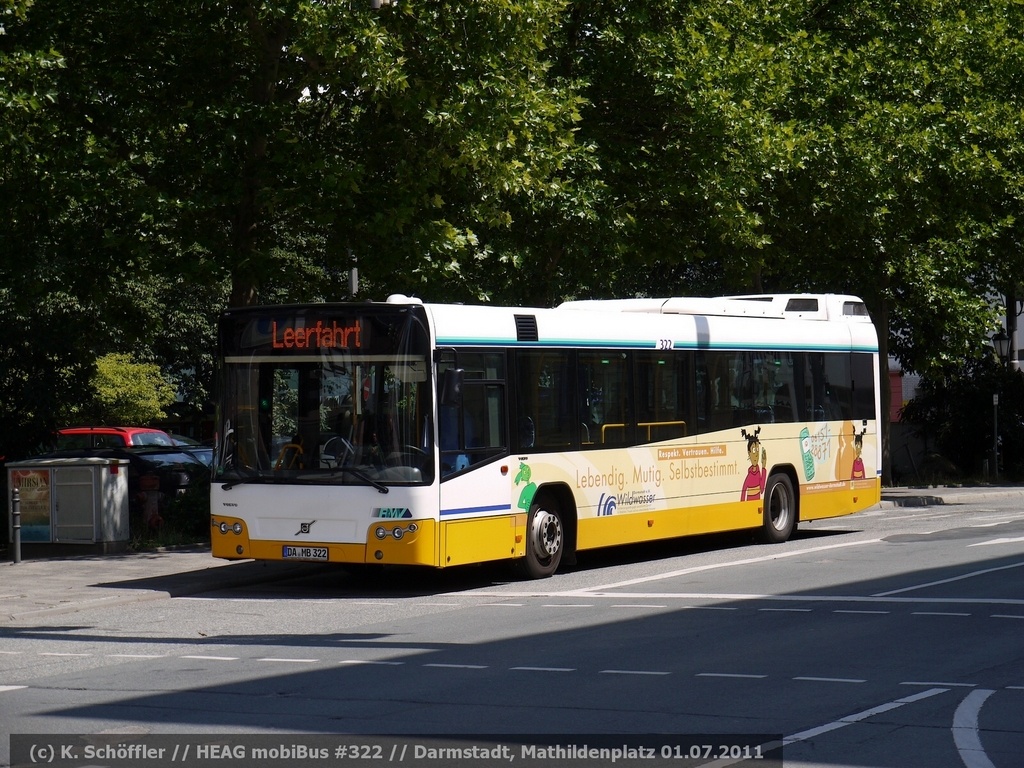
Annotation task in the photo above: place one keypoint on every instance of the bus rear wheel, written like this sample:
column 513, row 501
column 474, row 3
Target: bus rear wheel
column 545, row 540
column 779, row 509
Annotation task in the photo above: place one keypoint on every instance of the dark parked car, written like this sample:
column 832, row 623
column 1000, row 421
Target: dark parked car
column 156, row 475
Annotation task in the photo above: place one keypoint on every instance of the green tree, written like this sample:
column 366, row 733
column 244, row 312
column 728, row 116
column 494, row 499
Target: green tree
column 825, row 147
column 165, row 159
column 128, row 393
column 190, row 156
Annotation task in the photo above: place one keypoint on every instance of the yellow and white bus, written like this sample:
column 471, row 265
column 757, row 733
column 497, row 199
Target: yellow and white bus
column 401, row 432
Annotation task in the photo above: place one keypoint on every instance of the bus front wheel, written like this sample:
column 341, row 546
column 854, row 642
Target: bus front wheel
column 779, row 509
column 545, row 540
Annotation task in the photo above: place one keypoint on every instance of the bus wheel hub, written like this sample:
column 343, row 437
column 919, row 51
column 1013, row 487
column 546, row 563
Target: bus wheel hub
column 547, row 533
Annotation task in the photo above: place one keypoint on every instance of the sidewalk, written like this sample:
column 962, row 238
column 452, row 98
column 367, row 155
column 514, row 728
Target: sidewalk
column 52, row 585
column 926, row 497
column 42, row 586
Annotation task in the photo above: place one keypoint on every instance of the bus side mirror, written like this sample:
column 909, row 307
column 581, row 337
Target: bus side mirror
column 451, row 386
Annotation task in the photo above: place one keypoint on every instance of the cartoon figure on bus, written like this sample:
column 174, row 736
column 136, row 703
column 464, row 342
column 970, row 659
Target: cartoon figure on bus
column 526, row 496
column 757, row 474
column 845, row 453
column 857, row 473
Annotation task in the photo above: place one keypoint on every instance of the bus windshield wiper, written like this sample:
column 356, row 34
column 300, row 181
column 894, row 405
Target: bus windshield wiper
column 362, row 476
column 241, row 481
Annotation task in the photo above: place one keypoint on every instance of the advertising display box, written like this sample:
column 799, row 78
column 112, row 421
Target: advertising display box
column 80, row 501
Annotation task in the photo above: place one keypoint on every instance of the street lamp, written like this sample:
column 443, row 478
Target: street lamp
column 1001, row 344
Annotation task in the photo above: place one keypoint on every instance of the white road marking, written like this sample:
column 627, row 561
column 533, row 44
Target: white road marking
column 871, row 613
column 716, row 566
column 965, row 730
column 944, row 685
column 5, row 688
column 365, row 661
column 457, row 666
column 54, row 653
column 212, row 658
column 842, row 722
column 730, row 674
column 136, row 655
column 290, row 661
column 937, row 613
column 543, row 669
column 997, row 541
column 754, row 597
column 830, row 679
column 948, row 581
column 631, row 672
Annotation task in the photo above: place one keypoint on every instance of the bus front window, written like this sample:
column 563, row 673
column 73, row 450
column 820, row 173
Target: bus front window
column 340, row 416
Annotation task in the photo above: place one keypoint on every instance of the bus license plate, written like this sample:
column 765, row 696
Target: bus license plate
column 305, row 553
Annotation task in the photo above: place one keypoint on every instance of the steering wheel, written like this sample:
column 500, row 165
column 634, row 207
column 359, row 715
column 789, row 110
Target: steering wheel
column 327, row 455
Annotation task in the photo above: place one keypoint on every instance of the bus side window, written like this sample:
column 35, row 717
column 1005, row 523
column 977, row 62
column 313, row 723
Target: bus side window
column 544, row 395
column 453, row 458
column 603, row 391
column 661, row 399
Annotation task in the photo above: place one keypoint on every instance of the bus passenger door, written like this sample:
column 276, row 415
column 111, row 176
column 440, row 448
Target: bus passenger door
column 478, row 521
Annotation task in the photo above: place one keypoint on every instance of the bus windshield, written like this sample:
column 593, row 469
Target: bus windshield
column 332, row 394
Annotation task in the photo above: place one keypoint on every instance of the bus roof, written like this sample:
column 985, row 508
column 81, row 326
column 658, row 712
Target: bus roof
column 794, row 321
column 808, row 306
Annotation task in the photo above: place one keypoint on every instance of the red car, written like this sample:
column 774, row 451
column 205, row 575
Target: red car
column 74, row 438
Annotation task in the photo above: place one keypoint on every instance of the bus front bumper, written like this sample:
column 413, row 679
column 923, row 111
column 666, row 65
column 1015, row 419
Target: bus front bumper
column 389, row 542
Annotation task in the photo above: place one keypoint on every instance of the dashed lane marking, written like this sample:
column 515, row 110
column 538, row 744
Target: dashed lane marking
column 731, row 674
column 212, row 658
column 457, row 666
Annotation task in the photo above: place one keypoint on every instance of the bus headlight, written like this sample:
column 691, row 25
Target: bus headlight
column 381, row 532
column 398, row 533
column 237, row 529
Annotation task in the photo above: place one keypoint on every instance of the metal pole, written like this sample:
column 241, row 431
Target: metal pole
column 995, row 437
column 16, row 524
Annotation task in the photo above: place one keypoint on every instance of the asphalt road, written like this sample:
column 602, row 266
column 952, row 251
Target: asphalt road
column 891, row 638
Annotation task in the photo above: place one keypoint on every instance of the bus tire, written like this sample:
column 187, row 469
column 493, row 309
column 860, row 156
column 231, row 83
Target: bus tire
column 545, row 539
column 779, row 509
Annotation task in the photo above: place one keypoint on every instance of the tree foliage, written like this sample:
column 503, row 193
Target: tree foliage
column 163, row 160
column 128, row 393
